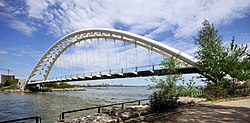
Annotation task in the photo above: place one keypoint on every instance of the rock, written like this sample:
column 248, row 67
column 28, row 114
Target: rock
column 190, row 100
column 67, row 89
column 119, row 115
column 142, row 109
column 95, row 118
column 133, row 112
column 125, row 115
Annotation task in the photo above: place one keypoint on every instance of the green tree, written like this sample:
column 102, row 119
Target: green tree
column 210, row 52
column 166, row 91
column 237, row 64
column 190, row 89
column 217, row 61
column 58, row 85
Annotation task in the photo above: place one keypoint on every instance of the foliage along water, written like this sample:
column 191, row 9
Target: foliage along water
column 49, row 105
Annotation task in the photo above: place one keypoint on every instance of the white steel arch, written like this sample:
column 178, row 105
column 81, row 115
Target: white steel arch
column 48, row 59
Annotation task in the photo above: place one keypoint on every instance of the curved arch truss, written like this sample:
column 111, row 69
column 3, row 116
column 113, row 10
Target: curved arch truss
column 46, row 62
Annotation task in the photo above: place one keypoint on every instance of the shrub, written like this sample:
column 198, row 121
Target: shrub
column 166, row 92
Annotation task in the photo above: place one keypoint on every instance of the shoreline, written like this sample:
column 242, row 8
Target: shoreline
column 184, row 113
column 43, row 90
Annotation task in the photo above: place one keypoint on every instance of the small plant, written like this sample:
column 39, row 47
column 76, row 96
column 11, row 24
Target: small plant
column 191, row 90
column 166, row 91
column 9, row 84
column 58, row 85
column 209, row 97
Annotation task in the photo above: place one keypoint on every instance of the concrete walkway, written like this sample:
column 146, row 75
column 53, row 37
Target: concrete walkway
column 236, row 103
column 219, row 112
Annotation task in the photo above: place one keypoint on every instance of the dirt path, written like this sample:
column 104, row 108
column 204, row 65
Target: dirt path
column 236, row 103
column 220, row 112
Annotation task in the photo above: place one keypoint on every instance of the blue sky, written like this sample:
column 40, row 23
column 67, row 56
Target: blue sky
column 29, row 27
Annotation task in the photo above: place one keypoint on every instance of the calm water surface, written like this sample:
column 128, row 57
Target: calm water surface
column 49, row 105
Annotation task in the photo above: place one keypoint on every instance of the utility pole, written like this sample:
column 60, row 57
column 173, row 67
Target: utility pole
column 8, row 70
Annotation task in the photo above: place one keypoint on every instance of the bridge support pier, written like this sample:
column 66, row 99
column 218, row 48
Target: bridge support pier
column 36, row 87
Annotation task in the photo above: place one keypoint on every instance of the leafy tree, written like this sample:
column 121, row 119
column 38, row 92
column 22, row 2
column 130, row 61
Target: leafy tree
column 217, row 61
column 191, row 90
column 166, row 91
column 58, row 85
column 10, row 84
column 210, row 52
column 237, row 64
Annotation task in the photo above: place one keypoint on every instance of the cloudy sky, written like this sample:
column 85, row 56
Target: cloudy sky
column 29, row 27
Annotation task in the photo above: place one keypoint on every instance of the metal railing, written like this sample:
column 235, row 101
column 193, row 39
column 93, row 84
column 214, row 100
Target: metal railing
column 37, row 118
column 122, row 70
column 99, row 107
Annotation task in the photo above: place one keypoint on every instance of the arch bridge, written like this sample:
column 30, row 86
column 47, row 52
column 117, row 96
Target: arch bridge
column 124, row 45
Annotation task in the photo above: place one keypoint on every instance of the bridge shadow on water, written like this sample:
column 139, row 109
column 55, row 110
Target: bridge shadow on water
column 203, row 113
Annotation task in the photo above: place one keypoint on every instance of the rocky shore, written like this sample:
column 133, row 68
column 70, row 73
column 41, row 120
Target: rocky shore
column 113, row 116
column 67, row 89
column 44, row 90
column 15, row 90
column 133, row 114
column 195, row 110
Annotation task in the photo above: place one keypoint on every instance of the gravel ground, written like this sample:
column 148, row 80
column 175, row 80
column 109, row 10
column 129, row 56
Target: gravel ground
column 237, row 111
column 236, row 103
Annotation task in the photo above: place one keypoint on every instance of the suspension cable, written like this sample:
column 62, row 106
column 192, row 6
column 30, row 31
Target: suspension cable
column 107, row 53
column 118, row 67
column 76, row 63
column 125, row 54
column 64, row 63
column 82, row 58
column 99, row 54
column 93, row 56
column 149, row 63
column 58, row 67
column 71, row 63
column 136, row 57
column 86, row 54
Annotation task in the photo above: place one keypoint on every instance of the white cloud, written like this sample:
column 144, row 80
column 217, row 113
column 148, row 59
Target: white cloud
column 150, row 18
column 23, row 27
column 25, row 51
column 3, row 52
column 2, row 4
column 140, row 16
column 36, row 8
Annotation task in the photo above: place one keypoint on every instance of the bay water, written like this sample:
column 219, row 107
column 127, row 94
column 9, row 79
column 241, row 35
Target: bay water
column 49, row 105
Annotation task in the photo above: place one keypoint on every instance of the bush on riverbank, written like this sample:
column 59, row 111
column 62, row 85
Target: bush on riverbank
column 224, row 68
column 9, row 84
column 58, row 85
column 166, row 91
column 225, row 72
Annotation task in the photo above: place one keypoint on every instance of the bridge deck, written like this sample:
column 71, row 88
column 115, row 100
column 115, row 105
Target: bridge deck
column 186, row 70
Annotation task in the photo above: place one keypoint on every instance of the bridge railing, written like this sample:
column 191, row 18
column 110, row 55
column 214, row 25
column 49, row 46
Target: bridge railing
column 155, row 67
column 36, row 118
column 113, row 71
column 99, row 107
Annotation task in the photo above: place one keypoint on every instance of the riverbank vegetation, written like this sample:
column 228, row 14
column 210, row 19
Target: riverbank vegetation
column 226, row 69
column 57, row 85
column 166, row 91
column 9, row 85
column 225, row 72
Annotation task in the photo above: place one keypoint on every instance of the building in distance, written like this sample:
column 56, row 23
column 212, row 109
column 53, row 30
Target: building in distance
column 6, row 77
